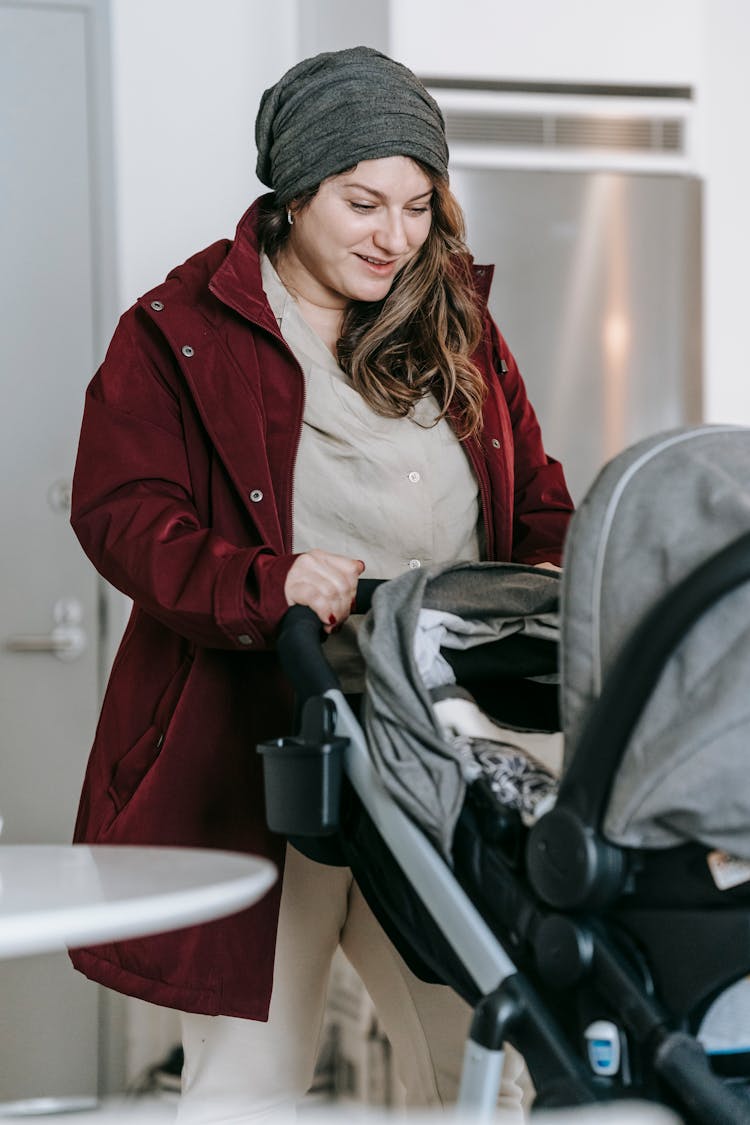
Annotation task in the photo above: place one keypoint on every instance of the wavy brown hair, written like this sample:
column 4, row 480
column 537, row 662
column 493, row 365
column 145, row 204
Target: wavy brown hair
column 420, row 338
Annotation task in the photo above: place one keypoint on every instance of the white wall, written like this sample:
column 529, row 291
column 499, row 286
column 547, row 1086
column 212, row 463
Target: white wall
column 701, row 43
column 724, row 102
column 636, row 41
column 188, row 76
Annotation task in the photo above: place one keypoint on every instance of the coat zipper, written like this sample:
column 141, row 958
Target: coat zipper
column 292, row 465
column 294, row 450
column 474, row 451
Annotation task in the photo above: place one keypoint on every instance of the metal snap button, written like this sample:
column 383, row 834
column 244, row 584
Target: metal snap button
column 256, row 495
column 414, row 477
column 187, row 350
column 495, row 443
column 157, row 306
column 245, row 639
column 414, row 564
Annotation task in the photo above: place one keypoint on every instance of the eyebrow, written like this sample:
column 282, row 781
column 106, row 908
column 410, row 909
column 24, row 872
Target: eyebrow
column 380, row 195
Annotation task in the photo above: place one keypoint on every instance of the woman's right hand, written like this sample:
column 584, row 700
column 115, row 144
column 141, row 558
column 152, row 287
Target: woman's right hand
column 325, row 582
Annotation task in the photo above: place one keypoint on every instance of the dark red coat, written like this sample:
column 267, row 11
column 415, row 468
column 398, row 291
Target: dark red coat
column 182, row 499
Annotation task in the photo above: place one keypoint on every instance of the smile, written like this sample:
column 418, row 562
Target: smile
column 377, row 263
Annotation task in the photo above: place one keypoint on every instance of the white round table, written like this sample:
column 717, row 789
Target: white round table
column 56, row 897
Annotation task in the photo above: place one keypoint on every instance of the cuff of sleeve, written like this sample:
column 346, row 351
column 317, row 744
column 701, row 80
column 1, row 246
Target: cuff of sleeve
column 250, row 599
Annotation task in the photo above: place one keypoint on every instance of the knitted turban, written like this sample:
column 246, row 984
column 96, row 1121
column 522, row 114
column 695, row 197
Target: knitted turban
column 329, row 112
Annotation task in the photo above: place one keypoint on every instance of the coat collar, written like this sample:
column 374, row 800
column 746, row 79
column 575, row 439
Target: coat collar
column 237, row 282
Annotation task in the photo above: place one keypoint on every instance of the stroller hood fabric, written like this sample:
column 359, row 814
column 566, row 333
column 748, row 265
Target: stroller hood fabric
column 654, row 514
column 417, row 764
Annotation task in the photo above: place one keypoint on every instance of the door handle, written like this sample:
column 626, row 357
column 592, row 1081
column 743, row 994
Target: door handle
column 66, row 640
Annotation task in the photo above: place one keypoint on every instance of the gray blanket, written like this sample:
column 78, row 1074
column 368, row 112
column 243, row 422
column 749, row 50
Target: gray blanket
column 417, row 764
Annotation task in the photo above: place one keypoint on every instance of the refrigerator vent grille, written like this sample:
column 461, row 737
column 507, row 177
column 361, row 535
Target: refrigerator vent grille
column 567, row 131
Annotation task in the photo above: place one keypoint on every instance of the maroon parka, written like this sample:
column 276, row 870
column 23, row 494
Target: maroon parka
column 182, row 499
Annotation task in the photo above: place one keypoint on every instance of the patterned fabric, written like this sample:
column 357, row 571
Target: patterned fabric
column 518, row 781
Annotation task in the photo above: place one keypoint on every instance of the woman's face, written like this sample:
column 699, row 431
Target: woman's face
column 360, row 228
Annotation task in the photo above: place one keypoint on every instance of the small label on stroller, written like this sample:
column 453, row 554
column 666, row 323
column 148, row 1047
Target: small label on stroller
column 603, row 1046
column 727, row 870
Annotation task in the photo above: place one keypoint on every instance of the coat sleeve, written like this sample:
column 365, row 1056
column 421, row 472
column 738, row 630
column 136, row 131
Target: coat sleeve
column 134, row 514
column 542, row 505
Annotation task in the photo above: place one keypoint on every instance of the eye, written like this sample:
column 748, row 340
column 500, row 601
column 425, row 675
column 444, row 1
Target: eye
column 423, row 209
column 362, row 207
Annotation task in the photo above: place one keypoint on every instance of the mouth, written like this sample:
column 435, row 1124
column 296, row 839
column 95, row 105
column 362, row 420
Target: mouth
column 380, row 265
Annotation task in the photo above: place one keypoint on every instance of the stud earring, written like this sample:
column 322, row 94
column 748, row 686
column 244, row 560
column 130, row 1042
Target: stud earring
column 289, row 218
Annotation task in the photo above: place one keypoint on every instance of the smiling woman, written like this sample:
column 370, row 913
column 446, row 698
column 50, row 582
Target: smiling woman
column 324, row 394
column 376, row 261
column 347, row 240
column 355, row 233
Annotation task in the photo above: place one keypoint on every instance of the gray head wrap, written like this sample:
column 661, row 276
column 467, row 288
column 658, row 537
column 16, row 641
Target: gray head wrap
column 329, row 112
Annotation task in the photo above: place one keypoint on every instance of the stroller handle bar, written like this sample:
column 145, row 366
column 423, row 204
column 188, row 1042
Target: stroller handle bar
column 300, row 648
column 299, row 644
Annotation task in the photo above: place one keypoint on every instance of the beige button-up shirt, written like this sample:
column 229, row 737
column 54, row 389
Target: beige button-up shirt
column 398, row 493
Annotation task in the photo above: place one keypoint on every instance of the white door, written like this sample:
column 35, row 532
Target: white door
column 49, row 631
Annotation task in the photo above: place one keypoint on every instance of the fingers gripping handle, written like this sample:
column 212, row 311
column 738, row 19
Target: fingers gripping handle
column 300, row 645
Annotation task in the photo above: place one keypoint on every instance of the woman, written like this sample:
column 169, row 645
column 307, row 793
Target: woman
column 325, row 394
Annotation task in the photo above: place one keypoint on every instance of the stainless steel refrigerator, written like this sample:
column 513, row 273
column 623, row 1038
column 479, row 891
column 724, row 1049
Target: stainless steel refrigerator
column 597, row 290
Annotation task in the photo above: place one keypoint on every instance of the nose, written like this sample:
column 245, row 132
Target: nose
column 391, row 233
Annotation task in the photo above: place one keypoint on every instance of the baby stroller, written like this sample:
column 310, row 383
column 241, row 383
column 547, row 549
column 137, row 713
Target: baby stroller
column 592, row 924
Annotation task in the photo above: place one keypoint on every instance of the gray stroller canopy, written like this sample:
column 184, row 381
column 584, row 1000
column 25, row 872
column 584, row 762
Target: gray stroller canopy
column 653, row 515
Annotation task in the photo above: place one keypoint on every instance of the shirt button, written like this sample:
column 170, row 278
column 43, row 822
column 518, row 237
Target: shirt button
column 245, row 639
column 157, row 306
column 414, row 477
column 256, row 495
column 187, row 350
column 495, row 443
column 414, row 564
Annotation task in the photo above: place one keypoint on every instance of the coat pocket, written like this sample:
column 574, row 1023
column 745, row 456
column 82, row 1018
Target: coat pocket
column 136, row 762
column 134, row 765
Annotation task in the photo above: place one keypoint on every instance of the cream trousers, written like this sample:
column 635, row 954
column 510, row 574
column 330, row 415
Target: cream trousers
column 245, row 1071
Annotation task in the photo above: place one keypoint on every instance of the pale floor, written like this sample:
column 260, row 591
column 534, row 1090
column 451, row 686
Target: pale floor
column 160, row 1110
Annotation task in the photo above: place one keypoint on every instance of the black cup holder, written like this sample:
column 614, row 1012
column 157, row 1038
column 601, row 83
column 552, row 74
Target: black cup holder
column 302, row 774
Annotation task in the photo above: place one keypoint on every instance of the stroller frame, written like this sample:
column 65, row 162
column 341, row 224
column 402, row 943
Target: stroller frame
column 560, row 928
column 507, row 999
